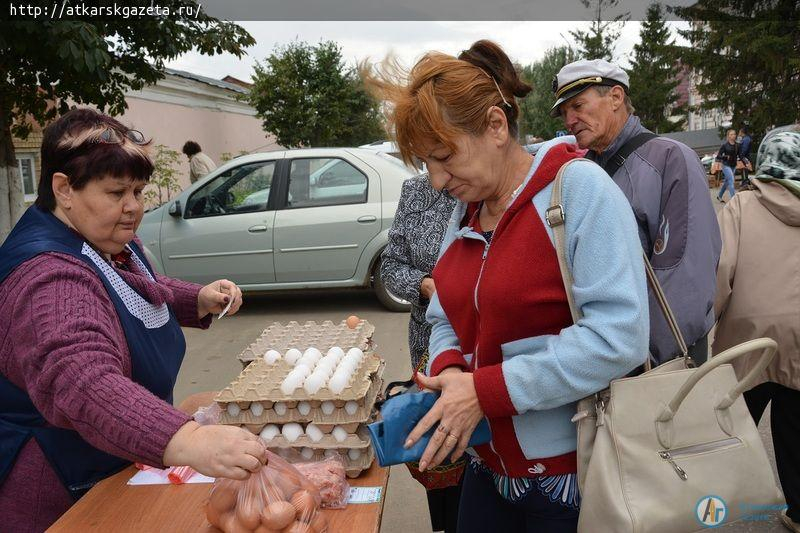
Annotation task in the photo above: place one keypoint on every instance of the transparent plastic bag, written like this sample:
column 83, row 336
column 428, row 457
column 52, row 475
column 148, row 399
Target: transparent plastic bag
column 208, row 415
column 330, row 479
column 275, row 499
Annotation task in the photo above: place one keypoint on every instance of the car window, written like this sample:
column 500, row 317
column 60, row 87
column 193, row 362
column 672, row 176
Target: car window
column 241, row 189
column 315, row 182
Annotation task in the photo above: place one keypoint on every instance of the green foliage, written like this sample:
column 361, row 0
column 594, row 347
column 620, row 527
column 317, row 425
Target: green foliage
column 748, row 57
column 535, row 116
column 599, row 41
column 164, row 180
column 305, row 96
column 653, row 74
column 95, row 60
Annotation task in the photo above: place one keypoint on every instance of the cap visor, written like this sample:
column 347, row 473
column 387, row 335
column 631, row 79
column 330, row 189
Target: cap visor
column 554, row 111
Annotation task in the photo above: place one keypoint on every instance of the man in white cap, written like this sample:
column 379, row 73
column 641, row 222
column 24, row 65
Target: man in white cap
column 667, row 188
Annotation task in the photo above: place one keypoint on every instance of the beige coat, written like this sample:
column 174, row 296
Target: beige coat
column 200, row 165
column 758, row 279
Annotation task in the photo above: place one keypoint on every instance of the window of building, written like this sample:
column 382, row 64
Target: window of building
column 27, row 173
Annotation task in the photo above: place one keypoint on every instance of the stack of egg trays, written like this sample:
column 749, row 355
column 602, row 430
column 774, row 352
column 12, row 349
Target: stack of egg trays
column 260, row 383
column 301, row 336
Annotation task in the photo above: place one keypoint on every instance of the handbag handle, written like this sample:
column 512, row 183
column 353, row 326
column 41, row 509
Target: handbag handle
column 667, row 413
column 555, row 217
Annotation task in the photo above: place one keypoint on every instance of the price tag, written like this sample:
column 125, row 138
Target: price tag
column 365, row 494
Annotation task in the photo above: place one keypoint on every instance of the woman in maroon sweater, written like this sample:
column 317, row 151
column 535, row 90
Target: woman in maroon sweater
column 90, row 338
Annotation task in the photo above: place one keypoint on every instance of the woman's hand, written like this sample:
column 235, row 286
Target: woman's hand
column 458, row 412
column 427, row 287
column 216, row 450
column 215, row 296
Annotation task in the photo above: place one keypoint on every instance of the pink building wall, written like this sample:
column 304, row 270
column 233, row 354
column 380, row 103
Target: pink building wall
column 217, row 132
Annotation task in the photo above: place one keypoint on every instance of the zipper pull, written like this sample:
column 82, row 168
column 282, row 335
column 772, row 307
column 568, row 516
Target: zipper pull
column 678, row 470
column 485, row 250
column 600, row 411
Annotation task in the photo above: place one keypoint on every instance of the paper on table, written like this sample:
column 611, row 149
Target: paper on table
column 154, row 476
column 365, row 494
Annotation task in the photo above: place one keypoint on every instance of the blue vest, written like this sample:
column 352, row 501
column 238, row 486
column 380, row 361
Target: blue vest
column 154, row 338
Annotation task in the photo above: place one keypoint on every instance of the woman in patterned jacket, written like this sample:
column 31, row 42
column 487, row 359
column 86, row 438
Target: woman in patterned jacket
column 407, row 263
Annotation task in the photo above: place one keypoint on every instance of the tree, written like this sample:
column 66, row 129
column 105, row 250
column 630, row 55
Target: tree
column 48, row 65
column 305, row 96
column 164, row 180
column 747, row 56
column 654, row 74
column 535, row 116
column 599, row 41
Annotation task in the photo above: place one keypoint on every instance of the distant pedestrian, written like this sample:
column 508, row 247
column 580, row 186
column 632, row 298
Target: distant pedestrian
column 199, row 163
column 745, row 142
column 728, row 155
column 762, row 228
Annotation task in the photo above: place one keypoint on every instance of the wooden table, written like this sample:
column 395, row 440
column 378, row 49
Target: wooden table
column 113, row 505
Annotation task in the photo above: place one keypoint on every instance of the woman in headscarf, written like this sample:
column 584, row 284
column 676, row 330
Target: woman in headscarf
column 758, row 295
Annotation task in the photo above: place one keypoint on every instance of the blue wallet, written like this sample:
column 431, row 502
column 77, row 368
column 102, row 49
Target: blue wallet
column 399, row 416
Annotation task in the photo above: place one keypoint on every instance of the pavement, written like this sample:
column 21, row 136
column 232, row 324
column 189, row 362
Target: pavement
column 210, row 364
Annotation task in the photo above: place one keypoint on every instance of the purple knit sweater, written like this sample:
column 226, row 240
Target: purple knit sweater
column 61, row 341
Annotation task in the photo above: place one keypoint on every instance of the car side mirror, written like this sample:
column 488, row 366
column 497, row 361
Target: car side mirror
column 175, row 209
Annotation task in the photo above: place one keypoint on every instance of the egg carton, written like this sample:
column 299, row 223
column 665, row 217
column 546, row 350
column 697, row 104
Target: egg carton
column 356, row 440
column 291, row 410
column 261, row 381
column 353, row 467
column 322, row 336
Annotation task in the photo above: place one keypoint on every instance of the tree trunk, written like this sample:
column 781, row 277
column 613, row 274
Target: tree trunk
column 12, row 197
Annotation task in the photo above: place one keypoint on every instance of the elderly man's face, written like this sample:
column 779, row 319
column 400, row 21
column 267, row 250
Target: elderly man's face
column 590, row 117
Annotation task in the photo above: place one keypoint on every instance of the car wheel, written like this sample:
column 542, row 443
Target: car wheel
column 390, row 301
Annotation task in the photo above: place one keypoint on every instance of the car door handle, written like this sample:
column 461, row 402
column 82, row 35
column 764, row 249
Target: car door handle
column 366, row 219
column 258, row 228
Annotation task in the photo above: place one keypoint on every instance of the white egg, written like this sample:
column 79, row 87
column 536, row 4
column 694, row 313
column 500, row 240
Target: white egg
column 269, row 432
column 292, row 431
column 356, row 352
column 313, row 354
column 354, row 454
column 346, row 367
column 302, row 369
column 290, row 383
column 338, row 382
column 292, row 355
column 312, row 383
column 307, row 453
column 271, row 356
column 280, row 408
column 328, row 407
column 339, row 434
column 351, row 407
column 331, row 453
column 304, row 408
column 336, row 352
column 324, row 369
column 314, row 433
column 257, row 409
column 233, row 409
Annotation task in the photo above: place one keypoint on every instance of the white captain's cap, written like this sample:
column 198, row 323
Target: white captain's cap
column 578, row 76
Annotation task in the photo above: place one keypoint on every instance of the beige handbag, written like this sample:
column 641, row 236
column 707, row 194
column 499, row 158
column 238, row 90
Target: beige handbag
column 673, row 449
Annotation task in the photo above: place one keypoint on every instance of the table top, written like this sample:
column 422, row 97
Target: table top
column 113, row 505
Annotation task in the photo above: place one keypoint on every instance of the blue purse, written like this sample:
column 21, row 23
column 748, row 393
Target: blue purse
column 400, row 414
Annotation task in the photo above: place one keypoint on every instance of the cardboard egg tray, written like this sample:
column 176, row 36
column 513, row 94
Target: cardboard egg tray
column 353, row 468
column 315, row 415
column 261, row 382
column 322, row 336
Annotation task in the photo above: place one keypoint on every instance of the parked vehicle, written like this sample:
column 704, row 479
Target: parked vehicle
column 295, row 219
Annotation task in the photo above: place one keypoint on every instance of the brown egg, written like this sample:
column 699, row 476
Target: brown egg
column 277, row 515
column 248, row 513
column 298, row 527
column 223, row 497
column 352, row 321
column 287, row 486
column 262, row 529
column 213, row 515
column 226, row 521
column 304, row 505
column 319, row 522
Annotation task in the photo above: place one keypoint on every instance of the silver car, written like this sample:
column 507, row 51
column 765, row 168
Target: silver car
column 295, row 219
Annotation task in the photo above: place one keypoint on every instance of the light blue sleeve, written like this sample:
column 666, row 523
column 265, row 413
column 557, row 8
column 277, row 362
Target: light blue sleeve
column 443, row 338
column 609, row 287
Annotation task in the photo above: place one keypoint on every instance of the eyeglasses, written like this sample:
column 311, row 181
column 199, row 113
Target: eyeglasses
column 112, row 136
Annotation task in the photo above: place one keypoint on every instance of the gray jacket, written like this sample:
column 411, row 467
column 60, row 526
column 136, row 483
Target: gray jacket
column 414, row 241
column 668, row 190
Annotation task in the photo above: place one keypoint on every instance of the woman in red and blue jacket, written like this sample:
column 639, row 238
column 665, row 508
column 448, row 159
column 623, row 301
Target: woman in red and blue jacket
column 503, row 343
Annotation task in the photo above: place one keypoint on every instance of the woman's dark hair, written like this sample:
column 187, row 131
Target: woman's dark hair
column 190, row 148
column 72, row 145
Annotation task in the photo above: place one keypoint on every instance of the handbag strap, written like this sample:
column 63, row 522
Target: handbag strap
column 556, row 216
